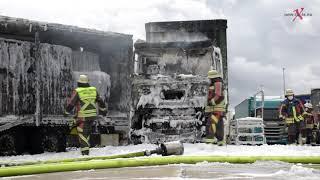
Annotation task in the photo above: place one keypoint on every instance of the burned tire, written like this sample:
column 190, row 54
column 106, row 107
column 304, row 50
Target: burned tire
column 62, row 143
column 135, row 139
column 50, row 142
column 12, row 143
column 20, row 140
column 35, row 140
column 54, row 140
column 7, row 144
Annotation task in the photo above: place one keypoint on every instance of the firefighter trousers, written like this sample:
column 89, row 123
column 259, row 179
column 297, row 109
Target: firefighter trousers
column 293, row 132
column 84, row 128
column 309, row 134
column 215, row 125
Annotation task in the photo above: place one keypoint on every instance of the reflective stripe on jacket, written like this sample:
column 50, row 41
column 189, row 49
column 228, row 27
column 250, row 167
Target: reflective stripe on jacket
column 296, row 117
column 87, row 97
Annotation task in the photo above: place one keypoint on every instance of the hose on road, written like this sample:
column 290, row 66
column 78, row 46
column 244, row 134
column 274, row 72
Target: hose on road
column 147, row 161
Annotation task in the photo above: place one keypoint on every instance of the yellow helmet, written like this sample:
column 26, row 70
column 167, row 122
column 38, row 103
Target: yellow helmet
column 289, row 92
column 213, row 74
column 83, row 79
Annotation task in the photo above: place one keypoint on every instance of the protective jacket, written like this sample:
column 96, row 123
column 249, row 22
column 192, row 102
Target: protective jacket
column 85, row 100
column 216, row 100
column 291, row 110
column 309, row 120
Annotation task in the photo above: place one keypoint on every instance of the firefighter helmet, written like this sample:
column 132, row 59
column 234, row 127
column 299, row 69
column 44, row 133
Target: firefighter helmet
column 308, row 105
column 213, row 74
column 83, row 79
column 289, row 92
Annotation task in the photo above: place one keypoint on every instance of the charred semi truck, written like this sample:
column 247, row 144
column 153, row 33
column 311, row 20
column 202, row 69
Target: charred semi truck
column 155, row 94
column 169, row 87
column 39, row 65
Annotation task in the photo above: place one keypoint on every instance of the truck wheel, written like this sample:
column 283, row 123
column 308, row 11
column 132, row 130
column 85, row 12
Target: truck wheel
column 35, row 140
column 7, row 144
column 62, row 143
column 136, row 139
column 54, row 140
column 20, row 141
column 12, row 143
column 50, row 142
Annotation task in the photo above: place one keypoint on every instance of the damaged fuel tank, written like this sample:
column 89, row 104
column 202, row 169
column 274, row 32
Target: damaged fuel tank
column 169, row 87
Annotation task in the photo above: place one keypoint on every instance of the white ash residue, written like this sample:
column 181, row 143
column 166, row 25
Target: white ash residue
column 29, row 77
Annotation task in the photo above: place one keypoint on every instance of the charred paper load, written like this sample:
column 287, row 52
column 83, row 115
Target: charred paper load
column 39, row 65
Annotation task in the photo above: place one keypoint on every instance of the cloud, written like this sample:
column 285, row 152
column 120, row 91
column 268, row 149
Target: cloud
column 261, row 40
column 247, row 77
column 122, row 16
column 303, row 79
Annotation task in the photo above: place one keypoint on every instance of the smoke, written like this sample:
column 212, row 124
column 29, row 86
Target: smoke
column 180, row 36
column 85, row 61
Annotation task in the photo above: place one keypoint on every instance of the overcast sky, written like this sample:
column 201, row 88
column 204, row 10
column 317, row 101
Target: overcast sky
column 261, row 40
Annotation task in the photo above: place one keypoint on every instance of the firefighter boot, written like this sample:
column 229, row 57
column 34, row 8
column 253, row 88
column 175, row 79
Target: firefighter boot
column 221, row 143
column 211, row 140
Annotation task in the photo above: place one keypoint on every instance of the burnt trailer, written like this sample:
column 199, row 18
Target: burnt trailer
column 39, row 65
column 169, row 87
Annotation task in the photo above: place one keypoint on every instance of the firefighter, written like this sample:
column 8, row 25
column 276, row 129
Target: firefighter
column 215, row 109
column 85, row 99
column 291, row 110
column 309, row 124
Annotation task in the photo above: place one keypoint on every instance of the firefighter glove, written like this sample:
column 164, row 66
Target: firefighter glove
column 72, row 122
column 65, row 114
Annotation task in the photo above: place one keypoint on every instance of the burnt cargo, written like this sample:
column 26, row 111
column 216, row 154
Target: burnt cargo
column 190, row 31
column 40, row 63
column 169, row 87
column 27, row 81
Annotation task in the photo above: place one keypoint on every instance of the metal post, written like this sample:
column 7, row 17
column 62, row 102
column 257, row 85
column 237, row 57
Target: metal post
column 262, row 102
column 1, row 102
column 38, row 78
column 255, row 103
column 284, row 82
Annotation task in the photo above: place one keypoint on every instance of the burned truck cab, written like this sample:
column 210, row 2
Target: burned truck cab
column 169, row 85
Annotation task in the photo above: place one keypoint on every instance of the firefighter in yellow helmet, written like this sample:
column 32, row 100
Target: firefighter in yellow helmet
column 85, row 99
column 291, row 110
column 215, row 109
